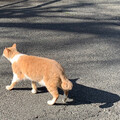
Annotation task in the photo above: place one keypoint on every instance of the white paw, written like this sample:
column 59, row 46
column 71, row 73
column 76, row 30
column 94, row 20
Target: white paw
column 34, row 91
column 51, row 102
column 8, row 87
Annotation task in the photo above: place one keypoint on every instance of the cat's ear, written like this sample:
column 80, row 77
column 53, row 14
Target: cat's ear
column 14, row 45
column 8, row 50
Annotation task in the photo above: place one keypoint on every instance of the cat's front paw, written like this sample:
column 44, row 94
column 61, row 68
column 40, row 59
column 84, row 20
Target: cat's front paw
column 8, row 87
column 34, row 91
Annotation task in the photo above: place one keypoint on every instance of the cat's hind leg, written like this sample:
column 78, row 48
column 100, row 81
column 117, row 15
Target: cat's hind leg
column 54, row 92
column 65, row 96
column 34, row 87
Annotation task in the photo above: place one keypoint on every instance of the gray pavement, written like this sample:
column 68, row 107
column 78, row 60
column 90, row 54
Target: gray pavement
column 82, row 35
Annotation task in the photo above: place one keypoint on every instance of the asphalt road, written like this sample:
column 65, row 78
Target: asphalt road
column 82, row 35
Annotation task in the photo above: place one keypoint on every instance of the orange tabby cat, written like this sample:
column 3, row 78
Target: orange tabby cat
column 45, row 71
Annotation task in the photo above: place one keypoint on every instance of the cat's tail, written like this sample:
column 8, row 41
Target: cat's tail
column 66, row 84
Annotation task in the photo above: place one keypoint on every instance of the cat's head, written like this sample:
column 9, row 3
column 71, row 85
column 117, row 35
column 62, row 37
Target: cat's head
column 10, row 52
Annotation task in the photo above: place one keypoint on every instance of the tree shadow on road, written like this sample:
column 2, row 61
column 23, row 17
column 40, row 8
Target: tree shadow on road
column 40, row 10
column 86, row 95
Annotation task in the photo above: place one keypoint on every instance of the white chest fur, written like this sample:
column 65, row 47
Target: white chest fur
column 42, row 83
column 15, row 58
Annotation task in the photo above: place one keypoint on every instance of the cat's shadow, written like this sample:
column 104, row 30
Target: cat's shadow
column 39, row 89
column 81, row 94
column 86, row 95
